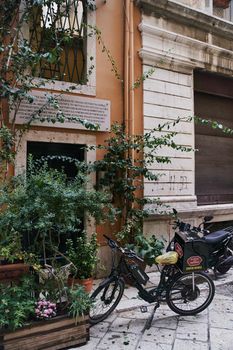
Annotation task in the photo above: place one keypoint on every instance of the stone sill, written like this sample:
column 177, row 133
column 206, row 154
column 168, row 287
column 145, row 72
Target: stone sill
column 197, row 211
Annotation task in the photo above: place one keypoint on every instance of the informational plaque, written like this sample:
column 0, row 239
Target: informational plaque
column 46, row 109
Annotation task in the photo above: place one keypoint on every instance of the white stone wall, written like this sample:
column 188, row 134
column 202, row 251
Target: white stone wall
column 167, row 96
column 176, row 52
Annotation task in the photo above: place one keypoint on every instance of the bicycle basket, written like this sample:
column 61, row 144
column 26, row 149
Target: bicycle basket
column 193, row 253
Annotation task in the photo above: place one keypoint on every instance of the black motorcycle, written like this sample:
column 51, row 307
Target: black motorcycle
column 216, row 245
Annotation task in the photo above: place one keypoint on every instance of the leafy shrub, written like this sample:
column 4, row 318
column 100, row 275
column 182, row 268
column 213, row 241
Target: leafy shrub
column 83, row 254
column 80, row 302
column 17, row 304
column 148, row 248
column 44, row 205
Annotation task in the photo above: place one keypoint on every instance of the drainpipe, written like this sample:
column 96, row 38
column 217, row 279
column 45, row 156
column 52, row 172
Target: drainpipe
column 126, row 65
column 129, row 67
column 131, row 71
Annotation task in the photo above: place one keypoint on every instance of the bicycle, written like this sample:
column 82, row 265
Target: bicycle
column 185, row 293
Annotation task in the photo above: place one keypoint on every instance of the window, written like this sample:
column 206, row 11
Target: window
column 40, row 149
column 62, row 23
column 223, row 9
column 218, row 8
column 213, row 99
column 44, row 149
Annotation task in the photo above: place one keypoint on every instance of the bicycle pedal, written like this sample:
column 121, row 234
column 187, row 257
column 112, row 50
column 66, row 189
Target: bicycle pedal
column 143, row 309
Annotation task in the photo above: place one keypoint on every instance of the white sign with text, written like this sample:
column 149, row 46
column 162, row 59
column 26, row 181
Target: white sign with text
column 96, row 111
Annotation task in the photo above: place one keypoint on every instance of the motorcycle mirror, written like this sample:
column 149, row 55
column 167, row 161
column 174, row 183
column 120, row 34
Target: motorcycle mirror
column 208, row 218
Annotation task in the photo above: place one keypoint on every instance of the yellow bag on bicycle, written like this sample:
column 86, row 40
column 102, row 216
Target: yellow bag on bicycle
column 169, row 258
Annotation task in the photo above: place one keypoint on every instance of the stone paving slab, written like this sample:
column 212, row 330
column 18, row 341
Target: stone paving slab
column 189, row 345
column 221, row 339
column 211, row 329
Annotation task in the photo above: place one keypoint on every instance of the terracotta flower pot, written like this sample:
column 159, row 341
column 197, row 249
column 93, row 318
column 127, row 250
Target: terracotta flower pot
column 87, row 283
column 223, row 4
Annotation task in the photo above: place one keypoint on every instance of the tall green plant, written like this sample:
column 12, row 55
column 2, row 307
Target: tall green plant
column 44, row 205
column 83, row 254
column 124, row 168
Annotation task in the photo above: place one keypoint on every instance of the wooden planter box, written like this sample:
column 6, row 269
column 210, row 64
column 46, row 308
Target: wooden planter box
column 60, row 332
column 13, row 272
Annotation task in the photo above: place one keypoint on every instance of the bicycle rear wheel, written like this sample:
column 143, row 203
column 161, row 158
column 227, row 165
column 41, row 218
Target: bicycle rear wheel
column 190, row 293
column 105, row 299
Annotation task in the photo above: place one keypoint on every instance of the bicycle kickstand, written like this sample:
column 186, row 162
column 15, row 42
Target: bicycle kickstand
column 150, row 318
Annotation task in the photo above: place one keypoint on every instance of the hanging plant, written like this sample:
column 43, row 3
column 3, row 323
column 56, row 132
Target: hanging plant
column 223, row 4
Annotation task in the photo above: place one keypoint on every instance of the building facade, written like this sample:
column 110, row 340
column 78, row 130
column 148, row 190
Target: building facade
column 189, row 42
column 91, row 80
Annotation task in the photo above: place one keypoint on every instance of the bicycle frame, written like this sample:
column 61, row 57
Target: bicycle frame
column 173, row 287
column 151, row 295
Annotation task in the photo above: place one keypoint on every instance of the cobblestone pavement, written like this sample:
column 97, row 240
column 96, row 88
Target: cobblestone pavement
column 209, row 330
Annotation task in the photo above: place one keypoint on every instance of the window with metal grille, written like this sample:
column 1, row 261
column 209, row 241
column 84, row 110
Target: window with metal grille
column 223, row 9
column 58, row 29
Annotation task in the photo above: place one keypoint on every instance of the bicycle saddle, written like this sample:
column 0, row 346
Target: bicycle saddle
column 216, row 237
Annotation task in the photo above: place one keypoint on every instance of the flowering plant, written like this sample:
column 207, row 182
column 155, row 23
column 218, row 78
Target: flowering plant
column 45, row 309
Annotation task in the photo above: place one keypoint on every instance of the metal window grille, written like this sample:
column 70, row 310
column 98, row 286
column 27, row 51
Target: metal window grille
column 58, row 29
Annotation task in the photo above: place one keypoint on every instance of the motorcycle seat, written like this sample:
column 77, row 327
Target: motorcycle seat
column 216, row 237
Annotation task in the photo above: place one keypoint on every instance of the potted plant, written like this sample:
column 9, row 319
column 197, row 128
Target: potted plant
column 29, row 319
column 82, row 253
column 13, row 260
column 223, row 4
column 148, row 248
column 45, row 207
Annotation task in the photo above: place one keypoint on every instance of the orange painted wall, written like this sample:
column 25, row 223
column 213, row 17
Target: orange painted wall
column 111, row 22
column 110, row 19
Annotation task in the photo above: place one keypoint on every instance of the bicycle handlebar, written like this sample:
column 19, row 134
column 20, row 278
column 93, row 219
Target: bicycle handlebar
column 188, row 229
column 128, row 252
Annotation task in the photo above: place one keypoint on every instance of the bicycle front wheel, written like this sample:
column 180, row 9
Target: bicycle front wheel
column 105, row 299
column 191, row 293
